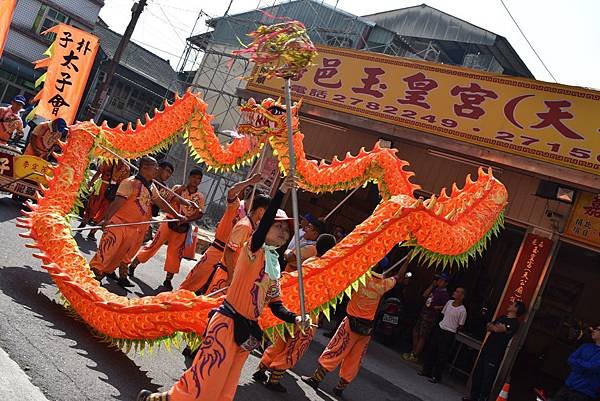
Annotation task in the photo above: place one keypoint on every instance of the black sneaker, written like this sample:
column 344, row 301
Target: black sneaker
column 434, row 380
column 124, row 282
column 276, row 387
column 260, row 376
column 338, row 391
column 143, row 395
column 310, row 381
column 167, row 284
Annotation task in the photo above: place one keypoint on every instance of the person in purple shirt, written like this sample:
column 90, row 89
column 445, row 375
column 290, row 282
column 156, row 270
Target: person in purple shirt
column 436, row 296
column 583, row 384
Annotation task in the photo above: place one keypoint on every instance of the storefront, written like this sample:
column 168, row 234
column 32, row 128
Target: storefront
column 548, row 254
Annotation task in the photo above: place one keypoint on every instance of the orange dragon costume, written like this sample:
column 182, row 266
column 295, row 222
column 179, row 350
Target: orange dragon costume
column 442, row 230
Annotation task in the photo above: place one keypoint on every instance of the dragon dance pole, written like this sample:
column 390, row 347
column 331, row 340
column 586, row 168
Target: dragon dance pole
column 292, row 155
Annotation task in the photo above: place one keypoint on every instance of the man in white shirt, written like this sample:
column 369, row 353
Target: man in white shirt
column 305, row 220
column 442, row 339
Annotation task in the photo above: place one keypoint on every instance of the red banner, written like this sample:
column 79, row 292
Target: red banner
column 527, row 272
column 7, row 8
column 70, row 60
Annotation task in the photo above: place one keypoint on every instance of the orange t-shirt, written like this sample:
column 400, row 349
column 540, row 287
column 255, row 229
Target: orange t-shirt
column 241, row 233
column 306, row 252
column 251, row 288
column 365, row 301
column 184, row 192
column 229, row 219
column 138, row 206
column 42, row 140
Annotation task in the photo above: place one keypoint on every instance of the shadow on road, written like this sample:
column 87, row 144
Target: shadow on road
column 115, row 368
column 9, row 209
column 85, row 246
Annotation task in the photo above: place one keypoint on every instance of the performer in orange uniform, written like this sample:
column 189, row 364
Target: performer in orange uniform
column 233, row 329
column 349, row 344
column 239, row 235
column 10, row 121
column 132, row 204
column 165, row 171
column 284, row 354
column 175, row 233
column 112, row 173
column 44, row 136
column 202, row 273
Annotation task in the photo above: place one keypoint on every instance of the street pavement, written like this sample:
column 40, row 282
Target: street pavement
column 66, row 362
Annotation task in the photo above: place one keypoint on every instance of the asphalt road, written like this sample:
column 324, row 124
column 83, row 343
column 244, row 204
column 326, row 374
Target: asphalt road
column 67, row 363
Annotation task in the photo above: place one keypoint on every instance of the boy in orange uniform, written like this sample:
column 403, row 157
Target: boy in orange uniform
column 175, row 233
column 239, row 235
column 112, row 173
column 44, row 136
column 10, row 121
column 284, row 355
column 132, row 204
column 233, row 329
column 202, row 273
column 351, row 339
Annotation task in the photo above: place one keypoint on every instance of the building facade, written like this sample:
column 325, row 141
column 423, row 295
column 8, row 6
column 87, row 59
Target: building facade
column 140, row 84
column 25, row 43
column 563, row 293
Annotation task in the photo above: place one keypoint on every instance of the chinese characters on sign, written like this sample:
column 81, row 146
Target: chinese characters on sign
column 549, row 122
column 527, row 271
column 70, row 61
column 584, row 222
column 7, row 8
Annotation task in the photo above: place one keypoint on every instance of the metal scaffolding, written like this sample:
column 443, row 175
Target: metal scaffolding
column 208, row 67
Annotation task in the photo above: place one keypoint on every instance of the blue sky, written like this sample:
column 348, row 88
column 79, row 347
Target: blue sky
column 564, row 33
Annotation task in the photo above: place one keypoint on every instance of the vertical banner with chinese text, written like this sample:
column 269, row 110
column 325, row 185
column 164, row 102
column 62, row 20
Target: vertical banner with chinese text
column 554, row 123
column 526, row 273
column 69, row 63
column 584, row 222
column 7, row 8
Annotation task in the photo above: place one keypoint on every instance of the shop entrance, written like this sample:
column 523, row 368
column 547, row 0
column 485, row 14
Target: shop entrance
column 569, row 304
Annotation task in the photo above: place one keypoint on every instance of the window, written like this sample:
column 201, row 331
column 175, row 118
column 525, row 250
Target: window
column 48, row 17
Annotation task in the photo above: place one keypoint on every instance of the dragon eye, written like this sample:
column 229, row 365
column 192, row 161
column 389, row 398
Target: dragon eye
column 276, row 110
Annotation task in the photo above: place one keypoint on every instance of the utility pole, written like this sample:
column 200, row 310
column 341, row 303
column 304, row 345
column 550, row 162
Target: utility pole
column 95, row 107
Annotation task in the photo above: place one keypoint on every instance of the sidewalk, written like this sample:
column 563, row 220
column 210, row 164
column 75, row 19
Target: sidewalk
column 387, row 363
column 14, row 383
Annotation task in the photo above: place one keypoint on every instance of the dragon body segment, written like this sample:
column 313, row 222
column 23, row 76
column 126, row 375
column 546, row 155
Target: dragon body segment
column 442, row 229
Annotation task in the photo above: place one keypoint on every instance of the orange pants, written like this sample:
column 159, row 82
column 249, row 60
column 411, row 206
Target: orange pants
column 174, row 248
column 283, row 355
column 347, row 348
column 200, row 274
column 97, row 205
column 218, row 281
column 215, row 373
column 118, row 245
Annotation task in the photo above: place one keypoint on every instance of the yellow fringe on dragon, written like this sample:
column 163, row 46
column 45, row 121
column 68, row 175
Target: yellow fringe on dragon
column 442, row 229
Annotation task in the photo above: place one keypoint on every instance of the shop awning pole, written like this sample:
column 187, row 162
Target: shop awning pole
column 292, row 172
column 341, row 203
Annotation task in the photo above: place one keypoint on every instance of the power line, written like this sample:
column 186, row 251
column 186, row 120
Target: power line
column 171, row 24
column 528, row 42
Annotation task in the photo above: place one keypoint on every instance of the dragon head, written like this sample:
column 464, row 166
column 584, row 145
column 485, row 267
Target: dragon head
column 267, row 117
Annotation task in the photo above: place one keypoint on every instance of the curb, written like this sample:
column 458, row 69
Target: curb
column 14, row 382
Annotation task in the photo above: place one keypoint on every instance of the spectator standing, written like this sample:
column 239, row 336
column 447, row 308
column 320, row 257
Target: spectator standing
column 500, row 331
column 436, row 357
column 436, row 296
column 583, row 383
